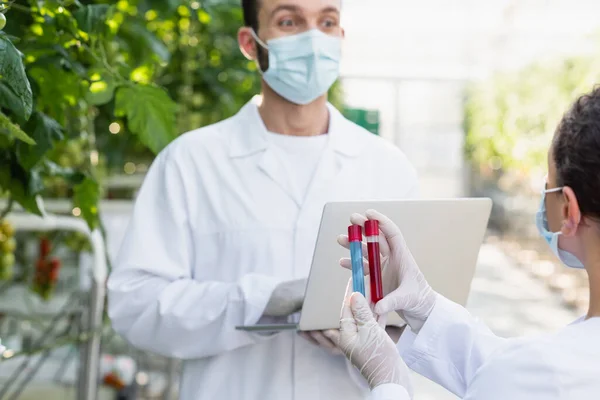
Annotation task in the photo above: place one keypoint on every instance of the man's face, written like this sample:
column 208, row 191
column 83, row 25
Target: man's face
column 277, row 18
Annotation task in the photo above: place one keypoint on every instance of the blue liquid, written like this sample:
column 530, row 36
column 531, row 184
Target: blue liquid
column 358, row 276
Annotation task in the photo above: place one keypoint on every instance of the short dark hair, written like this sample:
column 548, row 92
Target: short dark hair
column 576, row 152
column 250, row 8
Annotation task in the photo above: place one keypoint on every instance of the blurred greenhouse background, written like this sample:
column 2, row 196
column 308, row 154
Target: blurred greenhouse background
column 470, row 90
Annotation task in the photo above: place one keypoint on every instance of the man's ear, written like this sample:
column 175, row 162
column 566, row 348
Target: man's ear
column 247, row 43
column 570, row 212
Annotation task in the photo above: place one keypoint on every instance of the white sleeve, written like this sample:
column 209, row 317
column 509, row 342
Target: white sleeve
column 450, row 348
column 389, row 391
column 153, row 299
column 524, row 371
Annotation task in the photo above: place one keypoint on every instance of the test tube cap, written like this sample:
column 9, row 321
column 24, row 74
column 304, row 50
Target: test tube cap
column 372, row 228
column 355, row 233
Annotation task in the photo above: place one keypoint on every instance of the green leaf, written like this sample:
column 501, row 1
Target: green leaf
column 86, row 197
column 150, row 114
column 12, row 102
column 12, row 38
column 102, row 90
column 165, row 6
column 45, row 131
column 13, row 75
column 142, row 43
column 92, row 18
column 23, row 185
column 13, row 131
column 35, row 184
column 70, row 175
column 56, row 55
column 59, row 90
column 5, row 142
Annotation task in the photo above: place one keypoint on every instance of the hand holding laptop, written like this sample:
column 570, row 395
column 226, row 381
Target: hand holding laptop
column 286, row 299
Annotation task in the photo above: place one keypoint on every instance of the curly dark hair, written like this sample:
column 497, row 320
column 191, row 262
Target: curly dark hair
column 576, row 152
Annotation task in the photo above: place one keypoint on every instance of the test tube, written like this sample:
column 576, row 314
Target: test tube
column 356, row 256
column 372, row 234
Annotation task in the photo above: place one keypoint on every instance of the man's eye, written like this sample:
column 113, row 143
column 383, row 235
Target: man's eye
column 329, row 23
column 286, row 22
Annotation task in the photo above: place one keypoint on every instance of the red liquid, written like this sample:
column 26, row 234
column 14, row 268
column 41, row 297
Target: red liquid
column 375, row 271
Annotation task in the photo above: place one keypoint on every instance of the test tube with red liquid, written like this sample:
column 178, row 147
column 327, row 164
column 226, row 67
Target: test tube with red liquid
column 372, row 234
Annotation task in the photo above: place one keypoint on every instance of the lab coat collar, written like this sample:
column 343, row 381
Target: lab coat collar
column 251, row 135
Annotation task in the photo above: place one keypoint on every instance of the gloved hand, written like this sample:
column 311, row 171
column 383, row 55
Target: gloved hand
column 405, row 288
column 286, row 299
column 368, row 346
column 328, row 340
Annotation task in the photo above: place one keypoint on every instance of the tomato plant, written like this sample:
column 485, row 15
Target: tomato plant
column 87, row 87
column 47, row 271
column 7, row 250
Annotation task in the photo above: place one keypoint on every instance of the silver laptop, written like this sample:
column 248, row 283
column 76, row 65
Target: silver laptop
column 444, row 236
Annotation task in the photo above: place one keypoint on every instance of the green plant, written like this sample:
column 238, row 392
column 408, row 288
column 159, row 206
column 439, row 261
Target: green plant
column 49, row 88
column 192, row 51
column 86, row 86
column 7, row 250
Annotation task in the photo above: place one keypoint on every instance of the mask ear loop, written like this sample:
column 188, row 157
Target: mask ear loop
column 258, row 40
column 553, row 190
column 262, row 44
column 544, row 193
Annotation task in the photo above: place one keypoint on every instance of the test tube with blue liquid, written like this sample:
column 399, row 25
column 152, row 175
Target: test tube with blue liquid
column 356, row 256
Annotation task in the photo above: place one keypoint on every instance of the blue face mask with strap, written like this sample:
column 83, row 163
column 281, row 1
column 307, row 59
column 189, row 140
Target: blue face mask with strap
column 541, row 219
column 302, row 67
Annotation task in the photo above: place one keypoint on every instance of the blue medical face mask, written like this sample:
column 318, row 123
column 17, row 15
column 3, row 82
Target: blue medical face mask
column 568, row 259
column 302, row 67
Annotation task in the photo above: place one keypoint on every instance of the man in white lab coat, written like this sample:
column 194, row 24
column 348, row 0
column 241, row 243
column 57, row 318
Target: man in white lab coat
column 225, row 224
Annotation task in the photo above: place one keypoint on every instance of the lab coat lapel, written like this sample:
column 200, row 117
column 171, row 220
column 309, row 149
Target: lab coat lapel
column 251, row 139
column 339, row 150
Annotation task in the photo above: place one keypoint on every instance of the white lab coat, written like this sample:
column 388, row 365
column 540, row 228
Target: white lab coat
column 214, row 230
column 460, row 353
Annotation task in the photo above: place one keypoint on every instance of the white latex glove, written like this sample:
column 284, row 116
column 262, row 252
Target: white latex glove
column 405, row 289
column 286, row 299
column 327, row 340
column 368, row 346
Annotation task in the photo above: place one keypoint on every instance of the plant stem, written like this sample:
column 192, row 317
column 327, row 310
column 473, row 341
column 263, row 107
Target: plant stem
column 102, row 61
column 11, row 4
